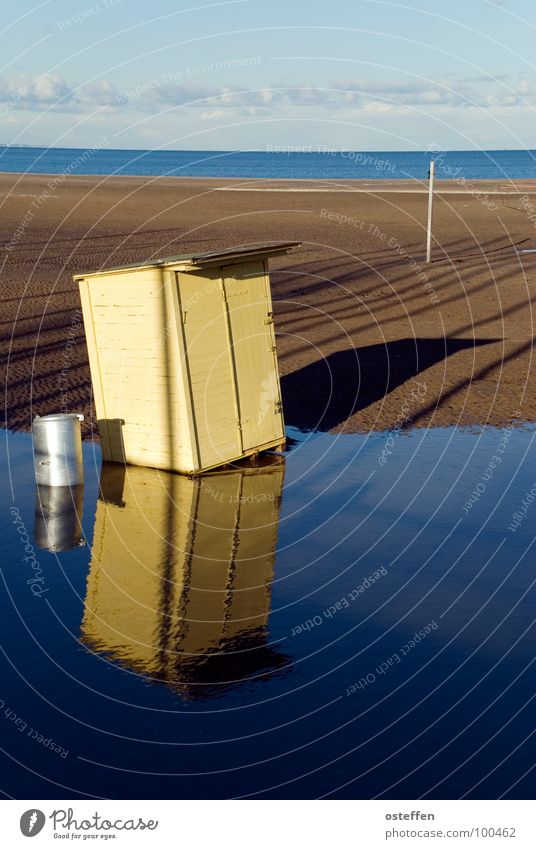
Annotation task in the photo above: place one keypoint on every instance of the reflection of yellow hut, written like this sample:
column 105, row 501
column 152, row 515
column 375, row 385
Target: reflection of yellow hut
column 181, row 571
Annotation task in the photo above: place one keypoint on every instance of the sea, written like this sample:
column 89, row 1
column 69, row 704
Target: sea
column 315, row 163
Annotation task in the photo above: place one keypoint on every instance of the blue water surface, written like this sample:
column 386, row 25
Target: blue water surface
column 315, row 164
column 354, row 621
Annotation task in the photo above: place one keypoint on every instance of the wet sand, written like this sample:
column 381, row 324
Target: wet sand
column 369, row 337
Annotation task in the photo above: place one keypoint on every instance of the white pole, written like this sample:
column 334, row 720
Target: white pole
column 430, row 207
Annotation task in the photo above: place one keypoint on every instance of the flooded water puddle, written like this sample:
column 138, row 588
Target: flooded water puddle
column 353, row 620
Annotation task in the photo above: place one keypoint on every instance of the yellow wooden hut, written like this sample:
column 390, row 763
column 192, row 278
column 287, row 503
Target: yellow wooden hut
column 183, row 359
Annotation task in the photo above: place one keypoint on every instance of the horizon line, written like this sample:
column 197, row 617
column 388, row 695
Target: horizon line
column 280, row 149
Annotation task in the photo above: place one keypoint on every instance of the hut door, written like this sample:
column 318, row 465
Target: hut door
column 253, row 351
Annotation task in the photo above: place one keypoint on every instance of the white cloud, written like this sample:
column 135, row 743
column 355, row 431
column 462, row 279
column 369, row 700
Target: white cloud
column 101, row 93
column 34, row 91
column 339, row 93
column 52, row 92
column 375, row 106
column 50, row 88
column 35, row 94
column 213, row 115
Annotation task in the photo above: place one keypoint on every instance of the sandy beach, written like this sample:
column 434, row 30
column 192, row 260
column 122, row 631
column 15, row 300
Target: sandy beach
column 369, row 337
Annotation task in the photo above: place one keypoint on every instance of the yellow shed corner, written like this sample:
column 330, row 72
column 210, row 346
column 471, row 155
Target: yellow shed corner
column 183, row 359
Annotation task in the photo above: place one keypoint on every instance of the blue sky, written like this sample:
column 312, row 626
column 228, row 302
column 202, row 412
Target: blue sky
column 248, row 74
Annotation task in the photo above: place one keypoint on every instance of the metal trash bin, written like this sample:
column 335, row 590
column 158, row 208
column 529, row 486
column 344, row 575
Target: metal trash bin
column 57, row 441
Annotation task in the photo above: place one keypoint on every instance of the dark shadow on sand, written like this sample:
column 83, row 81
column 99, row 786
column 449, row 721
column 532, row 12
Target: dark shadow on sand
column 324, row 394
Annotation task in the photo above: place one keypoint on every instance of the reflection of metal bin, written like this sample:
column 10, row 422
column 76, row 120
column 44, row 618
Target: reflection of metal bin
column 58, row 517
column 183, row 361
column 180, row 577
